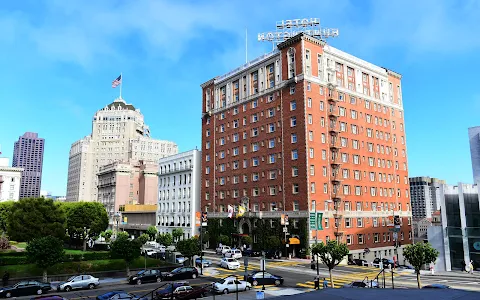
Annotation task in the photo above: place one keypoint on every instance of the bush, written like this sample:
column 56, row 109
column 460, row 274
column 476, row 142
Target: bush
column 13, row 260
column 11, row 253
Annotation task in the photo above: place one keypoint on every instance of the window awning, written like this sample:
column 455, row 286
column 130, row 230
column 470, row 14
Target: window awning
column 294, row 241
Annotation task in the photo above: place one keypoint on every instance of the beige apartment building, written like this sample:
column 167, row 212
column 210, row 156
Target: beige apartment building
column 127, row 183
column 119, row 134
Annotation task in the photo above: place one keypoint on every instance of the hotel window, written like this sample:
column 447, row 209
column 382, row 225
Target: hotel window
column 310, row 119
column 321, row 105
column 314, row 206
column 376, row 238
column 296, row 206
column 359, row 222
column 309, row 102
column 273, row 191
column 325, row 190
column 254, row 118
column 324, row 154
column 295, row 188
column 294, row 171
column 271, row 158
column 348, row 223
column 255, row 161
column 207, row 145
column 271, row 112
column 293, row 121
column 360, row 238
column 293, row 138
column 294, row 154
column 235, row 124
column 255, row 147
column 324, row 171
column 311, row 153
column 272, row 174
column 312, row 187
column 271, row 143
column 358, row 190
column 207, row 132
column 255, row 132
column 375, row 222
column 235, row 137
column 207, row 157
column 255, row 192
column 346, row 190
column 235, row 165
column 271, row 127
column 349, row 239
column 312, row 170
column 293, row 105
column 373, row 191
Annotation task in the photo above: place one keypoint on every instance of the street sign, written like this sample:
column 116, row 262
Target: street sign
column 313, row 221
column 319, row 221
column 394, row 229
column 285, row 229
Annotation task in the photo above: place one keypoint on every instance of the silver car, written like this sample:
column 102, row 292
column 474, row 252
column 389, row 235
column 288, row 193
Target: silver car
column 78, row 282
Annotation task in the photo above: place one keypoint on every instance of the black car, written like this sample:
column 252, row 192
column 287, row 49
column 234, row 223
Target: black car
column 181, row 273
column 251, row 253
column 119, row 295
column 360, row 262
column 25, row 288
column 436, row 286
column 273, row 254
column 166, row 293
column 145, row 276
column 261, row 278
column 385, row 261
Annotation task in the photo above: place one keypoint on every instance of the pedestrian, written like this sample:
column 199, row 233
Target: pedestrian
column 316, row 282
column 5, row 278
column 325, row 283
column 464, row 266
column 470, row 267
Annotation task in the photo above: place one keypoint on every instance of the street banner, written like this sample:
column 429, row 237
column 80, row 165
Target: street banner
column 313, row 221
column 197, row 218
column 319, row 221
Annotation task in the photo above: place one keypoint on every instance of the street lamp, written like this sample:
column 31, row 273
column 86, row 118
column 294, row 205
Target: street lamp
column 117, row 217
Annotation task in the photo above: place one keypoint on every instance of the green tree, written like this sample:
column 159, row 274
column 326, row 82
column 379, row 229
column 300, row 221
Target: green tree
column 247, row 240
column 107, row 234
column 152, row 232
column 177, row 233
column 126, row 249
column 165, row 239
column 272, row 242
column 418, row 255
column 5, row 211
column 45, row 252
column 142, row 239
column 35, row 217
column 86, row 220
column 225, row 240
column 189, row 248
column 330, row 254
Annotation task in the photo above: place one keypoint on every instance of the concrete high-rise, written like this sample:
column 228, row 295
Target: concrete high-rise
column 315, row 133
column 119, row 134
column 474, row 138
column 425, row 193
column 28, row 155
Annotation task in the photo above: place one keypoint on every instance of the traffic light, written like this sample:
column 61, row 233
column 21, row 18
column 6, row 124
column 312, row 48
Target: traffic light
column 396, row 220
column 286, row 219
column 204, row 218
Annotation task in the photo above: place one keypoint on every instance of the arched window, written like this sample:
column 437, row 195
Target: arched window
column 291, row 63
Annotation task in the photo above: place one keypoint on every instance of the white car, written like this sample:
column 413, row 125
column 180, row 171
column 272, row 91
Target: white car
column 222, row 249
column 229, row 263
column 78, row 282
column 233, row 253
column 231, row 284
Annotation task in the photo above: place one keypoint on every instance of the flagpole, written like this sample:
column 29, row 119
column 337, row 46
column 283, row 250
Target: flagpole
column 121, row 84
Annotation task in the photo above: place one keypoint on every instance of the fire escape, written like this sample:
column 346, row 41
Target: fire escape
column 335, row 161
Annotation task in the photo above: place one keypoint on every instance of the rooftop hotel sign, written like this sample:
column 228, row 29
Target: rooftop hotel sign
column 289, row 28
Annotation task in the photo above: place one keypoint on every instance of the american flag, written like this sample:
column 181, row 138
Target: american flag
column 117, row 81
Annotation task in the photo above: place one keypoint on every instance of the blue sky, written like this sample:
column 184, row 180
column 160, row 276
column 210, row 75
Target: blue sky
column 59, row 57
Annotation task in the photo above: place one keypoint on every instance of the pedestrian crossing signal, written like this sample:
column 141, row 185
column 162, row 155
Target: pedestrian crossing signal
column 204, row 219
column 396, row 220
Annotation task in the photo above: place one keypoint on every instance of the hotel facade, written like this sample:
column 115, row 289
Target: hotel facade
column 314, row 133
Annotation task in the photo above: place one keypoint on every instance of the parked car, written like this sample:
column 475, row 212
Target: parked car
column 119, row 295
column 260, row 278
column 231, row 284
column 49, row 297
column 436, row 286
column 233, row 253
column 251, row 253
column 181, row 273
column 78, row 282
column 273, row 254
column 188, row 292
column 166, row 293
column 385, row 261
column 229, row 263
column 406, row 267
column 25, row 288
column 360, row 262
column 361, row 284
column 156, row 245
column 204, row 262
column 145, row 276
column 222, row 249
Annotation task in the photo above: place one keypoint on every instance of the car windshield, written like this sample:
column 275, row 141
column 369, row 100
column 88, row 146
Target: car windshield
column 177, row 270
column 141, row 272
column 222, row 281
column 71, row 278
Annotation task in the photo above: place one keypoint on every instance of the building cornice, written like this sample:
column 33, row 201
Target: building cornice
column 210, row 82
column 299, row 37
column 11, row 169
column 393, row 73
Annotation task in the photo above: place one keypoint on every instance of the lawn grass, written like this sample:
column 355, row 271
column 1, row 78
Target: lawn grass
column 31, row 270
column 21, row 245
column 77, row 251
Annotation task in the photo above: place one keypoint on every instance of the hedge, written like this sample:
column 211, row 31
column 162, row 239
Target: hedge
column 11, row 253
column 19, row 260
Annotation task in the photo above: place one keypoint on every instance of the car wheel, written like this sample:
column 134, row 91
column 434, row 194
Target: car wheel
column 159, row 279
column 194, row 276
column 255, row 283
column 8, row 295
column 39, row 292
column 139, row 282
column 91, row 286
column 277, row 282
column 68, row 288
column 225, row 291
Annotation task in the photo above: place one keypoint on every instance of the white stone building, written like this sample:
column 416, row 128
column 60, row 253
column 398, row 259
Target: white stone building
column 119, row 133
column 9, row 181
column 179, row 192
